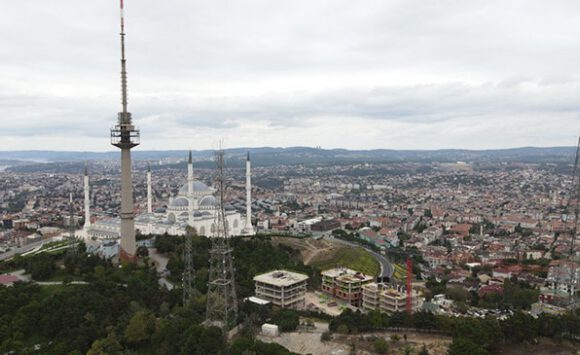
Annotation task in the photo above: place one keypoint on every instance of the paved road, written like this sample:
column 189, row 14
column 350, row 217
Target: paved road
column 386, row 266
column 21, row 250
column 51, row 283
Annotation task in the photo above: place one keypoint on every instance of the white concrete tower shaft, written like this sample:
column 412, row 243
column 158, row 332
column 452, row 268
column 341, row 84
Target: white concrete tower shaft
column 190, row 189
column 87, row 199
column 149, row 196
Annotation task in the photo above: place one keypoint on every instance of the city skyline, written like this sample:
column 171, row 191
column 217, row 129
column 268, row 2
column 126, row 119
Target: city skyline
column 381, row 75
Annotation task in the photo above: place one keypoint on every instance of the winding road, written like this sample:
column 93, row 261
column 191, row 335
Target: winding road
column 386, row 266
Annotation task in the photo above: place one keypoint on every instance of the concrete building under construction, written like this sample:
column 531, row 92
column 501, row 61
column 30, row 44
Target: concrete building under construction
column 285, row 289
column 387, row 299
column 345, row 284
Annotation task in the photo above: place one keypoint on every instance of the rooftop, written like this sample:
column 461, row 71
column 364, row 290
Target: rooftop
column 281, row 278
column 346, row 274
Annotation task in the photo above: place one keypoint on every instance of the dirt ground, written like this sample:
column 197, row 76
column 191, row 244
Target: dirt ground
column 310, row 249
column 310, row 343
column 321, row 301
column 544, row 347
column 364, row 343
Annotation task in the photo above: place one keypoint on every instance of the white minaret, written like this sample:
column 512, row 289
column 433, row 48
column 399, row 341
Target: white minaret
column 87, row 200
column 149, row 197
column 249, row 229
column 190, row 189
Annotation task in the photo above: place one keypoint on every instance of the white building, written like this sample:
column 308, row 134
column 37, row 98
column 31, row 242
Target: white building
column 194, row 205
column 282, row 288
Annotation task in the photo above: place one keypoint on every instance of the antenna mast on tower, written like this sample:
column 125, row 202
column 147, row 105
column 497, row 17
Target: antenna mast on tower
column 222, row 304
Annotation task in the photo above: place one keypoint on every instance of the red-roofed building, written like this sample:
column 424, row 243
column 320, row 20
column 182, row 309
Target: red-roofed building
column 8, row 280
column 461, row 229
column 489, row 289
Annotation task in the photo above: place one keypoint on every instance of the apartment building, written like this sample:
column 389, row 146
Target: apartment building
column 345, row 284
column 383, row 297
column 282, row 288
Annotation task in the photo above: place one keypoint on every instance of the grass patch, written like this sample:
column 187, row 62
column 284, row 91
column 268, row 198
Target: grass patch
column 400, row 272
column 353, row 258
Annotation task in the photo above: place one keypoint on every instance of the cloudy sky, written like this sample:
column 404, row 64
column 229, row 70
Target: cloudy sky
column 340, row 73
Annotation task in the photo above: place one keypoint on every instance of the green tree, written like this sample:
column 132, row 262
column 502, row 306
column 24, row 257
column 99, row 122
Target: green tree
column 380, row 346
column 140, row 328
column 461, row 346
column 107, row 346
column 486, row 333
column 457, row 293
column 520, row 327
column 286, row 319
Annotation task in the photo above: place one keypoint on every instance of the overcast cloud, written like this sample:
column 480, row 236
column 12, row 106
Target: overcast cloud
column 351, row 74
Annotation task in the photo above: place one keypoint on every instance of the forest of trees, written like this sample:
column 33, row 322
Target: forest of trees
column 470, row 335
column 122, row 310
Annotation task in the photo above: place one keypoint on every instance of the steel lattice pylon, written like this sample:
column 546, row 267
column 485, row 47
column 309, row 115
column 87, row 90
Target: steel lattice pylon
column 187, row 268
column 222, row 305
column 575, row 196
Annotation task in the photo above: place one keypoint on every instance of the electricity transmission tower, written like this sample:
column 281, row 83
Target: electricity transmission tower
column 222, row 305
column 187, row 268
column 575, row 197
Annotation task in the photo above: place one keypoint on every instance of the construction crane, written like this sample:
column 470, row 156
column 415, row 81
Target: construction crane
column 409, row 286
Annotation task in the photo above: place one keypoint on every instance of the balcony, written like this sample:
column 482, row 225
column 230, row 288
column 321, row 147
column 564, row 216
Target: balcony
column 125, row 136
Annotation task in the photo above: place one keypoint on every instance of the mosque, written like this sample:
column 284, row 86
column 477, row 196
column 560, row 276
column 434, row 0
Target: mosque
column 194, row 205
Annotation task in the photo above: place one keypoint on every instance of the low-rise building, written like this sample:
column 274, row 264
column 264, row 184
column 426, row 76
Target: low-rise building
column 564, row 276
column 282, row 288
column 386, row 299
column 345, row 284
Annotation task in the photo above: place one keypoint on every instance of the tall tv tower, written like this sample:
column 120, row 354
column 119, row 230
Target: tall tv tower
column 125, row 136
column 222, row 303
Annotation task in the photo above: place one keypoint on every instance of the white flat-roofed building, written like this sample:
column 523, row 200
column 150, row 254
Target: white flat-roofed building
column 283, row 288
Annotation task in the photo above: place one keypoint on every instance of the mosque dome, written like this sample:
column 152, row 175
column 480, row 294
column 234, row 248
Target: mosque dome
column 179, row 202
column 208, row 201
column 198, row 187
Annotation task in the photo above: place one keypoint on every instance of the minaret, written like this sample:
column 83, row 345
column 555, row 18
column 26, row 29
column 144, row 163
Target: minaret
column 71, row 226
column 248, row 229
column 149, row 197
column 190, row 190
column 87, row 200
column 125, row 136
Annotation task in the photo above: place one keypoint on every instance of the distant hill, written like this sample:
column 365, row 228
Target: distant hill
column 269, row 156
